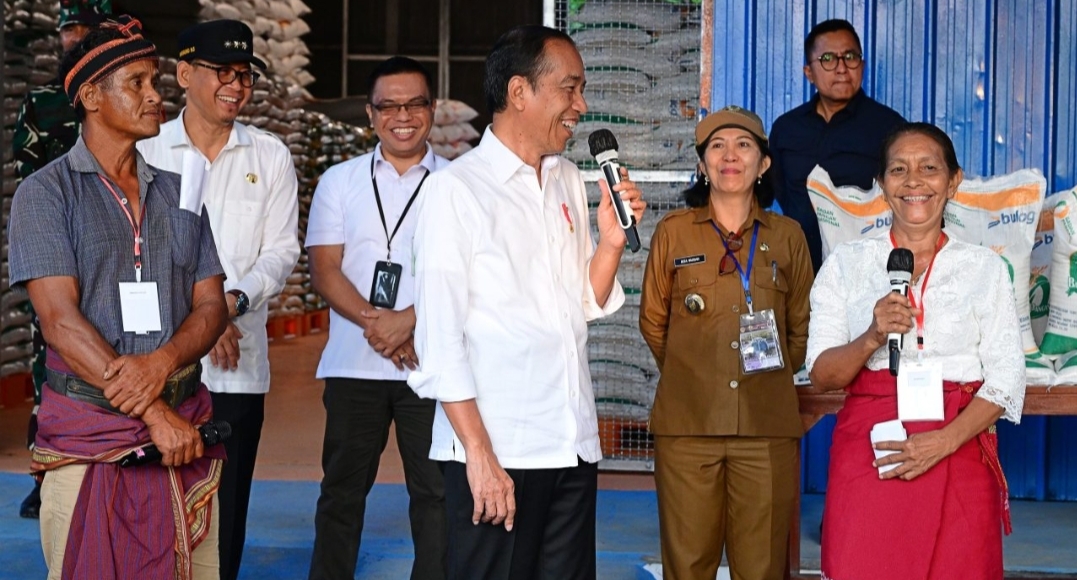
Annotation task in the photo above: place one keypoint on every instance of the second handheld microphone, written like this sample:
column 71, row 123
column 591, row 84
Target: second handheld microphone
column 899, row 267
column 604, row 148
column 212, row 433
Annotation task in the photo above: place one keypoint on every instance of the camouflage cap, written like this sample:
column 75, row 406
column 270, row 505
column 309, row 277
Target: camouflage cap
column 88, row 12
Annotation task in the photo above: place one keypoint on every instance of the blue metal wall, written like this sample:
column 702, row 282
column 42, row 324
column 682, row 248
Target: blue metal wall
column 1000, row 76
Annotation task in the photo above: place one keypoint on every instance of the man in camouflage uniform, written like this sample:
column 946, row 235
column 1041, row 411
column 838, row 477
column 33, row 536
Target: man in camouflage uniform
column 46, row 128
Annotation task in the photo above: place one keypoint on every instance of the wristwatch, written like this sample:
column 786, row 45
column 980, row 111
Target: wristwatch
column 242, row 302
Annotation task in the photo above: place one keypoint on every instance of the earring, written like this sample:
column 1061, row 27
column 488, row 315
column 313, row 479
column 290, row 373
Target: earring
column 759, row 180
column 706, row 181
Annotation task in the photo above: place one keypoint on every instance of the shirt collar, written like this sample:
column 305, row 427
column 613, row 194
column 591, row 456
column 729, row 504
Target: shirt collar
column 506, row 163
column 427, row 161
column 756, row 214
column 80, row 159
column 175, row 134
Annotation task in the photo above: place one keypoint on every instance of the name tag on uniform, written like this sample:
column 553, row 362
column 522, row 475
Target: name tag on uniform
column 919, row 391
column 140, row 307
column 689, row 260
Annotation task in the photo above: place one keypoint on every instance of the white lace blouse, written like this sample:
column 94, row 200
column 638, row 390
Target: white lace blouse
column 970, row 320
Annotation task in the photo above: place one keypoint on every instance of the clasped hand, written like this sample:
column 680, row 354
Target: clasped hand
column 134, row 381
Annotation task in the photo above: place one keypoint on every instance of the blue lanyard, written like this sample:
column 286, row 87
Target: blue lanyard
column 745, row 277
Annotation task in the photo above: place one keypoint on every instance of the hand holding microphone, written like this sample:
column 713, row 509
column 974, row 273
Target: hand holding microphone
column 604, row 148
column 212, row 433
column 899, row 267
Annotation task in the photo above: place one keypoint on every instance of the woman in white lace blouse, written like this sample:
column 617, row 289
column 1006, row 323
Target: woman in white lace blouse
column 940, row 511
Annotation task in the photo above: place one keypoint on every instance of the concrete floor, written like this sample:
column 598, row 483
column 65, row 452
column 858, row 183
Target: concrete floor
column 286, row 489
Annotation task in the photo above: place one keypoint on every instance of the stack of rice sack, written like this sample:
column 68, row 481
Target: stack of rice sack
column 642, row 64
column 623, row 371
column 452, row 133
column 277, row 26
column 1060, row 338
column 31, row 56
column 1002, row 213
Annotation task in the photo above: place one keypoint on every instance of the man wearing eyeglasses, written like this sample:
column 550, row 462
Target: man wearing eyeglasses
column 359, row 238
column 249, row 189
column 839, row 128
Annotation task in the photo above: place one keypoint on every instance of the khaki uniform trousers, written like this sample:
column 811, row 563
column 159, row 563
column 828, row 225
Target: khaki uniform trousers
column 60, row 492
column 732, row 492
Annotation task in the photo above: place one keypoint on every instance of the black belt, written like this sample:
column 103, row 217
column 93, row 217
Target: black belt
column 178, row 388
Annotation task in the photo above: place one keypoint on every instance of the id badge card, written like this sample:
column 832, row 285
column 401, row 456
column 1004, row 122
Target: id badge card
column 760, row 349
column 919, row 391
column 140, row 307
column 385, row 284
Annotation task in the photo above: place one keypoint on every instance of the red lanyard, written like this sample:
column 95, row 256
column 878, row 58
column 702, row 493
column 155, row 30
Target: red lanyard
column 923, row 290
column 136, row 228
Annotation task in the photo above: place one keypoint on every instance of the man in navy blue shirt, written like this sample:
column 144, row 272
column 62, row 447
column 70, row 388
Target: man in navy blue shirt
column 840, row 128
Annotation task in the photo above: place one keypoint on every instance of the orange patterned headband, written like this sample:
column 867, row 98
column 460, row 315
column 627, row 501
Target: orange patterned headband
column 105, row 59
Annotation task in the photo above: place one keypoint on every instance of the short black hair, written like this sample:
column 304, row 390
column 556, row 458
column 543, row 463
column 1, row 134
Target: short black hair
column 396, row 65
column 519, row 52
column 699, row 193
column 949, row 154
column 95, row 38
column 826, row 27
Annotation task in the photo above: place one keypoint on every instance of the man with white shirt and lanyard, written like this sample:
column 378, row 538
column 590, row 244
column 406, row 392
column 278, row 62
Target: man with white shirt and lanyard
column 359, row 239
column 507, row 277
column 249, row 189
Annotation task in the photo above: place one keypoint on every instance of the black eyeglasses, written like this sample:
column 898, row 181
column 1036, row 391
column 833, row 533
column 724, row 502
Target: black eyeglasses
column 227, row 74
column 413, row 107
column 829, row 60
column 728, row 264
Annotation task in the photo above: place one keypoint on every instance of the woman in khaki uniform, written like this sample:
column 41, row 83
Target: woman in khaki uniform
column 725, row 313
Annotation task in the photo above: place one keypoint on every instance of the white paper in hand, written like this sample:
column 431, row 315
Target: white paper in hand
column 887, row 431
column 191, row 181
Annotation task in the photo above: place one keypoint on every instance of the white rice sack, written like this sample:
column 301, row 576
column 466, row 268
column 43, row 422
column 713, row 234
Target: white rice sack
column 1066, row 369
column 246, row 9
column 436, row 137
column 299, row 8
column 679, row 41
column 450, row 112
column 1002, row 213
column 1040, row 270
column 459, row 132
column 281, row 10
column 621, row 81
column 611, row 37
column 660, row 16
column 846, row 213
column 1061, row 335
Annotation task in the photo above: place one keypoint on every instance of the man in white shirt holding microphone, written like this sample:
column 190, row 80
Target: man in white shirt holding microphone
column 507, row 277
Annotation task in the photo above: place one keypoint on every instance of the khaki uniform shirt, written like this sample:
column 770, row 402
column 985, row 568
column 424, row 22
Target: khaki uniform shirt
column 702, row 390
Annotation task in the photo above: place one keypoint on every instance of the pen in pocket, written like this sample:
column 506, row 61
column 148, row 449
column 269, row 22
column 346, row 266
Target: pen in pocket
column 774, row 271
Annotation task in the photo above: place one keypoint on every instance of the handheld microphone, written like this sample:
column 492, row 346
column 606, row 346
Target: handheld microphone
column 899, row 267
column 604, row 149
column 212, row 433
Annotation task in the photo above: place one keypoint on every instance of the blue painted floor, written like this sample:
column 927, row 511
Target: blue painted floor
column 281, row 533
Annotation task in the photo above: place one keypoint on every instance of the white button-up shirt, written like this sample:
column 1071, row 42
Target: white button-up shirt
column 250, row 194
column 502, row 305
column 344, row 211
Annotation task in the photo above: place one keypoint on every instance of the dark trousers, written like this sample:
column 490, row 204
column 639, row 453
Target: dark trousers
column 358, row 414
column 245, row 414
column 553, row 536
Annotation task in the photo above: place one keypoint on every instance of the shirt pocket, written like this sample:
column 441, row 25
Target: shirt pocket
column 771, row 290
column 186, row 242
column 699, row 280
column 241, row 234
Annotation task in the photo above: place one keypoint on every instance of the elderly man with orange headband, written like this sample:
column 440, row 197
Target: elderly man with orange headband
column 128, row 288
